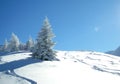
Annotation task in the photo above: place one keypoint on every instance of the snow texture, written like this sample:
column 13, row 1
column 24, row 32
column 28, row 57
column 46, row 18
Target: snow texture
column 74, row 67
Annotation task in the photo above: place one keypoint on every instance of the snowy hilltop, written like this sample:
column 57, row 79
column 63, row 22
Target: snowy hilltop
column 36, row 62
column 73, row 67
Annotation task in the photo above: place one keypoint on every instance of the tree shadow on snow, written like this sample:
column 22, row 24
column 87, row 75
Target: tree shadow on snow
column 9, row 53
column 17, row 64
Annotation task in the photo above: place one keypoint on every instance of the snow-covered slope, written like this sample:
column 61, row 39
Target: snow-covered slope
column 74, row 67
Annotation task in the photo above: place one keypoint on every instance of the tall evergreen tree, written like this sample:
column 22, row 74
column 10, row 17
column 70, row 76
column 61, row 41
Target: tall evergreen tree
column 14, row 43
column 44, row 46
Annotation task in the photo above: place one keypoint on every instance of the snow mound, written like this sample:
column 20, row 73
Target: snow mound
column 73, row 67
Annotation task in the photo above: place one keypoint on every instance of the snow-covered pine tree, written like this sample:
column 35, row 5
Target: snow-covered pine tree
column 29, row 44
column 22, row 46
column 5, row 46
column 14, row 43
column 44, row 46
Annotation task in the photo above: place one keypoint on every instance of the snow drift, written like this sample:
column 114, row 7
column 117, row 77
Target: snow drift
column 73, row 67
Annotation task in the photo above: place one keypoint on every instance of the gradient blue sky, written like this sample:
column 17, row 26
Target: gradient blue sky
column 77, row 24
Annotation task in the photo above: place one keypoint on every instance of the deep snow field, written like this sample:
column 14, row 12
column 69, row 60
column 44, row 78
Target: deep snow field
column 73, row 67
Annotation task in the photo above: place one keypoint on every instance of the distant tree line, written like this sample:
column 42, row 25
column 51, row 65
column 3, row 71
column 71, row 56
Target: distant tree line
column 14, row 44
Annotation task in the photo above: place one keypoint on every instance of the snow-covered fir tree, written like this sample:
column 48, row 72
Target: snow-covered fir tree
column 5, row 46
column 14, row 43
column 22, row 46
column 44, row 46
column 29, row 44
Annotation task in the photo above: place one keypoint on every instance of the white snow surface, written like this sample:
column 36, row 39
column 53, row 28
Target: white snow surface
column 73, row 67
column 9, row 79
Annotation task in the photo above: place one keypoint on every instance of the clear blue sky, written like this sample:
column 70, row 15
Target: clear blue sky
column 77, row 24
